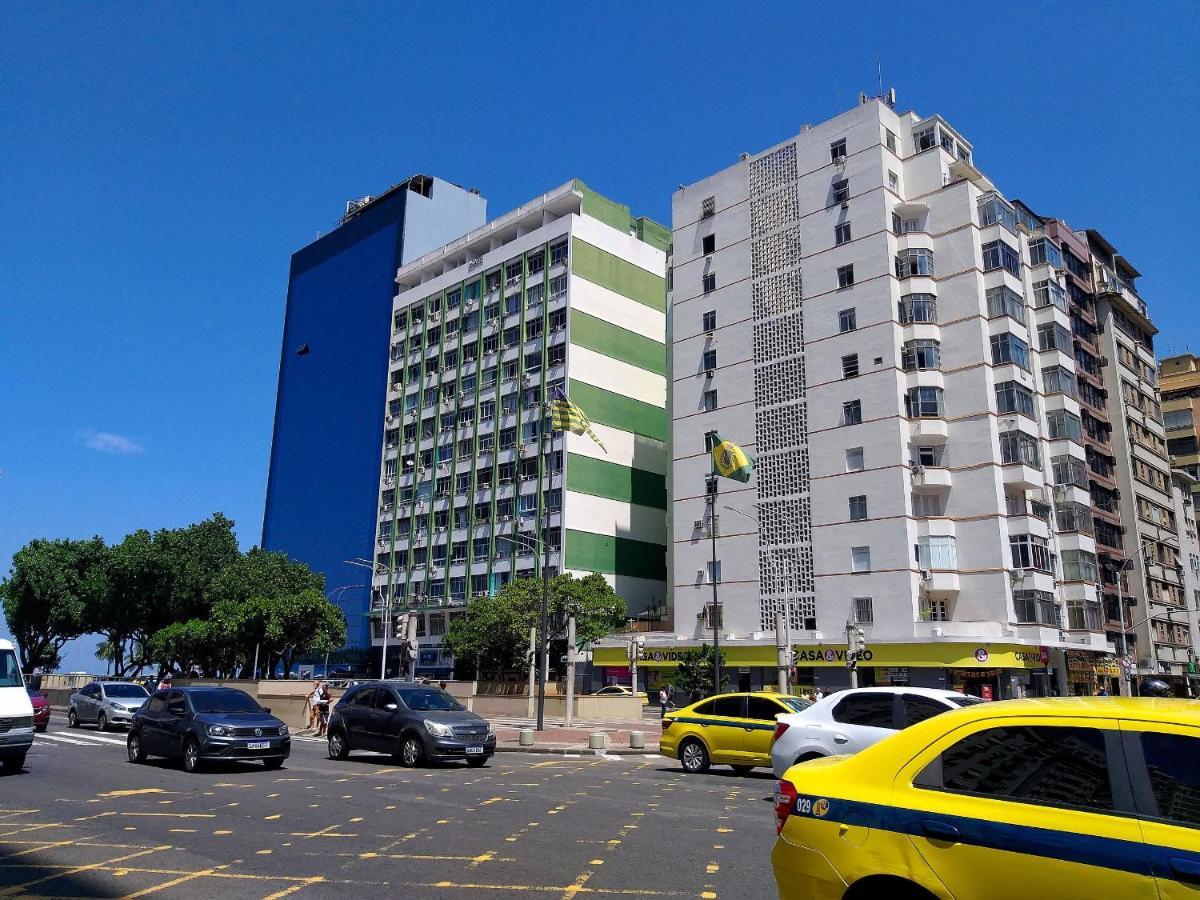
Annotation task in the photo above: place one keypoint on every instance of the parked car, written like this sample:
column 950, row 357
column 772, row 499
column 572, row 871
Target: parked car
column 730, row 729
column 413, row 722
column 41, row 709
column 850, row 721
column 200, row 724
column 620, row 690
column 16, row 712
column 1072, row 797
column 107, row 704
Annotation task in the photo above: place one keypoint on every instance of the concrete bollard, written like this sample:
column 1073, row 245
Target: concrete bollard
column 597, row 740
column 637, row 740
column 525, row 738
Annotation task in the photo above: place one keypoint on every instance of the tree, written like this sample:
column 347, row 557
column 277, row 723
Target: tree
column 696, row 671
column 494, row 631
column 47, row 596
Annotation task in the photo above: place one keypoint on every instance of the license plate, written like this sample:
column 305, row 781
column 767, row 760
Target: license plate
column 473, row 750
column 258, row 745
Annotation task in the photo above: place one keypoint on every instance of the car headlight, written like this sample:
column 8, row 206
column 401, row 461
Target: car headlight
column 491, row 730
column 217, row 730
column 283, row 730
column 437, row 729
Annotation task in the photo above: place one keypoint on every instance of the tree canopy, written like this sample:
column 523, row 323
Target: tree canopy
column 695, row 670
column 494, row 631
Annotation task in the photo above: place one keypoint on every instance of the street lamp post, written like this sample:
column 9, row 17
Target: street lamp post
column 386, row 610
column 543, row 643
column 1131, row 673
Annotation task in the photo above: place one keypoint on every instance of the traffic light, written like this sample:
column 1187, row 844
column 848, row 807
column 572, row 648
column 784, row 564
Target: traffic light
column 856, row 643
column 400, row 626
column 637, row 648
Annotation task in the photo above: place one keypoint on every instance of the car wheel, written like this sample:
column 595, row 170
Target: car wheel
column 411, row 751
column 41, row 729
column 272, row 764
column 102, row 722
column 191, row 756
column 133, row 744
column 338, row 748
column 72, row 719
column 742, row 770
column 11, row 765
column 476, row 761
column 693, row 757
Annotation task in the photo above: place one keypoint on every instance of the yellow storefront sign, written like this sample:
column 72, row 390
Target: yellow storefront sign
column 944, row 655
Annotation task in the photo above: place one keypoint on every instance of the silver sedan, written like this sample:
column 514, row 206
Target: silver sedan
column 107, row 704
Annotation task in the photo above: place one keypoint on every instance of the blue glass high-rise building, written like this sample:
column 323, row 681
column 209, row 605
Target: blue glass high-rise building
column 322, row 489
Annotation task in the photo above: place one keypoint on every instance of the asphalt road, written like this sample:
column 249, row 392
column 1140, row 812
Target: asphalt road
column 82, row 821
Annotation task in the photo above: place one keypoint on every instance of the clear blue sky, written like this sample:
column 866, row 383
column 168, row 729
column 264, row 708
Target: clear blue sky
column 160, row 163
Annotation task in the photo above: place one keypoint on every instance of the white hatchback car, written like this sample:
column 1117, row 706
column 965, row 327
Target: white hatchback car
column 853, row 720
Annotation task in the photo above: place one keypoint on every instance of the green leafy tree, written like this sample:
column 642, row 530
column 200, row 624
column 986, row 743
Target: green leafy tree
column 696, row 671
column 494, row 632
column 47, row 597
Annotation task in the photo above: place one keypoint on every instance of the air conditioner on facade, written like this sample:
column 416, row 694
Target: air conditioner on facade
column 918, row 470
column 926, row 575
column 698, row 523
column 708, row 373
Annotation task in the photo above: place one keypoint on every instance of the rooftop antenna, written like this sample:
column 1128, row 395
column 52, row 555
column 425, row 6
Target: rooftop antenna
column 879, row 71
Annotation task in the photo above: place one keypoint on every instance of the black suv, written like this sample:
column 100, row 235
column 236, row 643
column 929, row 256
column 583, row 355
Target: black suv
column 413, row 722
column 196, row 724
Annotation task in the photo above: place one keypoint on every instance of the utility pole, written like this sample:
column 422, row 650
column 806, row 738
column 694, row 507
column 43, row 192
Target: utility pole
column 712, row 576
column 387, row 630
column 572, row 658
column 412, row 645
column 533, row 667
column 855, row 644
column 544, row 645
column 782, row 651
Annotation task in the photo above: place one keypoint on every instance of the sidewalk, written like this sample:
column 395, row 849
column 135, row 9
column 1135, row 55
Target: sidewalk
column 556, row 738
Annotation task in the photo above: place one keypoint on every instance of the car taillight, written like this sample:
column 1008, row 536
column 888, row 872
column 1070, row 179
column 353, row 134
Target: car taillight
column 666, row 723
column 780, row 728
column 785, row 801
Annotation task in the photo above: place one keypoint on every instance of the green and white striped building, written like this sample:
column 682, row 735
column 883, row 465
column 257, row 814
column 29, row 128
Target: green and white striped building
column 568, row 290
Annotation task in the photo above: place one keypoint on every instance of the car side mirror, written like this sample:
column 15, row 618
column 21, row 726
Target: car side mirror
column 390, row 707
column 267, row 710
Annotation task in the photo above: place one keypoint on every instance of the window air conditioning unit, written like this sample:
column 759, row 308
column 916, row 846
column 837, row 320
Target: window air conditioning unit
column 708, row 373
column 698, row 523
column 709, row 335
column 926, row 575
column 1022, row 574
column 918, row 470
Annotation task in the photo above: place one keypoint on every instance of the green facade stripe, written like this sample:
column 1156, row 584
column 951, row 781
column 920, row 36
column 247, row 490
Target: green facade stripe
column 609, row 271
column 652, row 233
column 619, row 411
column 610, row 212
column 616, row 482
column 609, row 555
column 618, row 343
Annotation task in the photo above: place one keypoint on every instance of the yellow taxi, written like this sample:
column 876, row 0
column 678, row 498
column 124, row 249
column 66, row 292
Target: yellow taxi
column 620, row 690
column 1056, row 797
column 728, row 729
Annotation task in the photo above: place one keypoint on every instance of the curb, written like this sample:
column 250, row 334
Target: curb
column 580, row 751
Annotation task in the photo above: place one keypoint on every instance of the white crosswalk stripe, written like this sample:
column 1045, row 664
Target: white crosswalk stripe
column 58, row 738
column 84, row 738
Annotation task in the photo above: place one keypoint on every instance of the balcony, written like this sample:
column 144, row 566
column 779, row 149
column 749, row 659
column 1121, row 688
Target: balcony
column 930, row 479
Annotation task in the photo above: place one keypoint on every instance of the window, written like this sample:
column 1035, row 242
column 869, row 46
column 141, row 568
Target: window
column 921, row 354
column 994, row 210
column 710, row 320
column 1004, row 301
column 852, row 412
column 708, row 244
column 1069, row 470
column 709, row 359
column 1014, row 397
column 1053, row 336
column 1049, row 293
column 918, row 709
column 1043, row 765
column 1030, row 551
column 1173, row 764
column 850, row 365
column 924, row 139
column 558, row 253
column 905, row 226
column 893, row 180
column 1008, row 348
column 854, row 459
column 712, row 574
column 845, row 276
column 1041, row 251
column 841, row 190
column 926, row 505
column 860, row 559
column 1019, row 447
column 936, row 552
column 1177, row 418
column 708, row 282
column 734, row 707
column 710, row 400
column 837, row 150
column 841, row 233
column 1079, row 565
column 889, row 140
column 1057, row 380
column 763, row 708
column 918, row 309
column 872, row 710
column 914, row 262
column 708, row 207
column 847, row 320
column 999, row 255
column 923, row 403
column 1037, row 607
column 1064, row 425
column 862, row 611
column 858, row 508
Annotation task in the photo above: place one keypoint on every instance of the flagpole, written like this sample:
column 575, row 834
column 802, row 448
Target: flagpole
column 716, row 603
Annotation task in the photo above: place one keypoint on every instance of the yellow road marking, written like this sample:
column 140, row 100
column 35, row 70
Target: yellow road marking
column 712, row 868
column 317, row 879
column 133, row 792
column 172, row 883
column 68, row 871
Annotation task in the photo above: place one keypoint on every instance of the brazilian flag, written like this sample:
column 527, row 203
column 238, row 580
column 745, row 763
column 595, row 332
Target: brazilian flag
column 568, row 416
column 728, row 459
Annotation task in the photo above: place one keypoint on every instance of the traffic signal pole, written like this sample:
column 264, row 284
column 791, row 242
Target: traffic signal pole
column 782, row 652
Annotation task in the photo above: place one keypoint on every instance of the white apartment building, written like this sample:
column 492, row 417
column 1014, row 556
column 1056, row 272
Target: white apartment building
column 568, row 291
column 862, row 310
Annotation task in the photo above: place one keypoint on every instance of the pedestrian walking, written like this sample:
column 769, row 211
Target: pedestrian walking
column 323, row 708
column 164, row 682
column 695, row 696
column 820, row 694
column 662, row 701
column 314, row 700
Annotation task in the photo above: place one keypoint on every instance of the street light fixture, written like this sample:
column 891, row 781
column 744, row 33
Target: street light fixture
column 543, row 644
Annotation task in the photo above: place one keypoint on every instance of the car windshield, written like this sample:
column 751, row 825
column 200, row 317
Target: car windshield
column 424, row 699
column 798, row 704
column 10, row 675
column 126, row 690
column 965, row 701
column 223, row 701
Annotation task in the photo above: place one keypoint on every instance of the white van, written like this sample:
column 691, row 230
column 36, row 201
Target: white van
column 16, row 712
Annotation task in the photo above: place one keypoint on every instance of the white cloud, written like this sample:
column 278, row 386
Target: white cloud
column 107, row 442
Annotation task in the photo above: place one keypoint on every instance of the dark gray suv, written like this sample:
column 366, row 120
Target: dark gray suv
column 413, row 722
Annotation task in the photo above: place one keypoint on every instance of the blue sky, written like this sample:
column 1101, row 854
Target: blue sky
column 159, row 164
